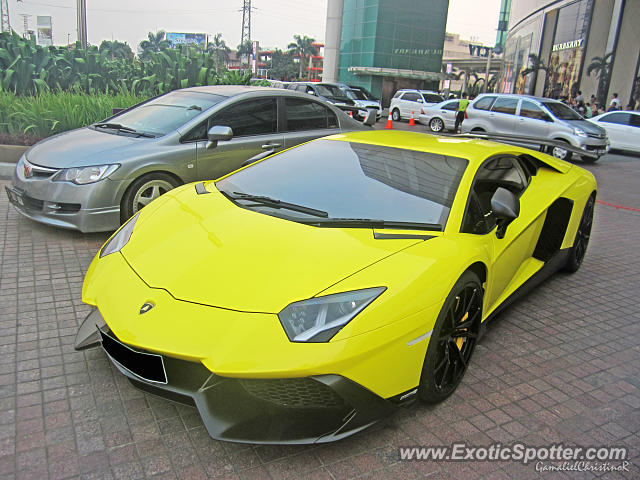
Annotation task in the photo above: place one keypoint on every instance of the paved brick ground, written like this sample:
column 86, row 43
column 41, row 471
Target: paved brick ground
column 562, row 365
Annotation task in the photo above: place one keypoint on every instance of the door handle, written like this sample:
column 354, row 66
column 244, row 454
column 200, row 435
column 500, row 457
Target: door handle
column 271, row 146
column 491, row 115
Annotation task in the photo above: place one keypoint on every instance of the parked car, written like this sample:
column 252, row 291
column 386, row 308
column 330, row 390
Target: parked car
column 362, row 98
column 406, row 101
column 536, row 117
column 440, row 117
column 93, row 178
column 308, row 296
column 328, row 92
column 623, row 129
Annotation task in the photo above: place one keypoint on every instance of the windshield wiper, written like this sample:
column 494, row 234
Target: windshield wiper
column 374, row 223
column 275, row 203
column 122, row 128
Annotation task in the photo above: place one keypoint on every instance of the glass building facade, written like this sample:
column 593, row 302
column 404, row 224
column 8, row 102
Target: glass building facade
column 565, row 25
column 392, row 34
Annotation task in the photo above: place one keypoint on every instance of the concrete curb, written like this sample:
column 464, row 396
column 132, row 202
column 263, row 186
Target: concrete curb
column 11, row 153
column 7, row 169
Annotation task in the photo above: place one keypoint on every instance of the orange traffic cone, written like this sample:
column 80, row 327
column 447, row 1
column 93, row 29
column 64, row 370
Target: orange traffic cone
column 389, row 122
column 412, row 122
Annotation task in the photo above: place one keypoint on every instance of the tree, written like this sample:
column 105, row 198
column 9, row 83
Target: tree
column 116, row 50
column 282, row 65
column 601, row 68
column 156, row 43
column 535, row 65
column 302, row 48
column 245, row 50
column 220, row 51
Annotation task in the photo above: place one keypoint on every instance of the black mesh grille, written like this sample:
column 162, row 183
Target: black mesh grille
column 293, row 392
column 32, row 203
column 554, row 229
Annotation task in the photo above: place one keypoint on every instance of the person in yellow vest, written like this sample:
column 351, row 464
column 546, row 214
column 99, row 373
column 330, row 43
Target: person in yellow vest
column 462, row 108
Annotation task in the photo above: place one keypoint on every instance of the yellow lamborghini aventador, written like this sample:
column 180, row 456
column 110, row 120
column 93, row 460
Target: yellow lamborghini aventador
column 308, row 295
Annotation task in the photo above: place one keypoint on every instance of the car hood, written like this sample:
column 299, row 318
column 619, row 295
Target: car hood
column 81, row 147
column 207, row 250
column 587, row 126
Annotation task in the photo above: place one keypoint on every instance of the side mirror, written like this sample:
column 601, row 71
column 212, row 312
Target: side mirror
column 506, row 208
column 218, row 133
column 370, row 119
column 419, row 100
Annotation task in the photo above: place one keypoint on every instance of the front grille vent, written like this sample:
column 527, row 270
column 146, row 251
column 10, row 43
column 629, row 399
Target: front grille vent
column 293, row 392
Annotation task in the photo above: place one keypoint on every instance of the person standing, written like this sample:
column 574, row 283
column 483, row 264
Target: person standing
column 589, row 111
column 463, row 103
column 614, row 104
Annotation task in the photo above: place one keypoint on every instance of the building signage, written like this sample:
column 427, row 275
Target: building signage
column 567, row 45
column 479, row 50
column 418, row 51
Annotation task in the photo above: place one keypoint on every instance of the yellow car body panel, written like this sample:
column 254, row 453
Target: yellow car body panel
column 219, row 274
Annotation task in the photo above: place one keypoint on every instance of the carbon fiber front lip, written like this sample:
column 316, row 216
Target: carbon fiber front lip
column 231, row 413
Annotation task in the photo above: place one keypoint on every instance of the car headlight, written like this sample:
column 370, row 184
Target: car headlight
column 579, row 132
column 84, row 175
column 319, row 319
column 121, row 237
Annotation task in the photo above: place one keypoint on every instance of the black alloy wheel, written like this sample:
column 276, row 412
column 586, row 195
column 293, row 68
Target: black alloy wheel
column 577, row 252
column 453, row 340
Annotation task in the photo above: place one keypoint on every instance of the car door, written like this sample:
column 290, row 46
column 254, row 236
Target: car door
column 410, row 102
column 255, row 131
column 448, row 112
column 502, row 117
column 617, row 126
column 532, row 121
column 508, row 253
column 305, row 120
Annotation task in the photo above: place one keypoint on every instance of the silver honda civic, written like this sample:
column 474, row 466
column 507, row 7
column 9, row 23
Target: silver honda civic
column 93, row 178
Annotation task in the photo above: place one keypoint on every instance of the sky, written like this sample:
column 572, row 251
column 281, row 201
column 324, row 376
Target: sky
column 274, row 22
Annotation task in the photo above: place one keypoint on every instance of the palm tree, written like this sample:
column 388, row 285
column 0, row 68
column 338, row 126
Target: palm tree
column 219, row 49
column 535, row 65
column 302, row 48
column 156, row 43
column 601, row 68
column 245, row 50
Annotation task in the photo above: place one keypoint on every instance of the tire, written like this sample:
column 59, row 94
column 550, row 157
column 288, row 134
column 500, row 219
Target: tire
column 560, row 153
column 436, row 125
column 143, row 190
column 581, row 242
column 589, row 160
column 450, row 348
column 395, row 115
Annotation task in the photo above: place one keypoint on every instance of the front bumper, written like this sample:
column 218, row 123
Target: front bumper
column 314, row 409
column 88, row 208
column 594, row 146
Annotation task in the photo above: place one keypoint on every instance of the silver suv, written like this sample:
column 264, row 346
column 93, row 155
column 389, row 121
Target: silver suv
column 407, row 102
column 536, row 117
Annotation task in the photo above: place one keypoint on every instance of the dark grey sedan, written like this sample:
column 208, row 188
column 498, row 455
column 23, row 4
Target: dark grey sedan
column 93, row 178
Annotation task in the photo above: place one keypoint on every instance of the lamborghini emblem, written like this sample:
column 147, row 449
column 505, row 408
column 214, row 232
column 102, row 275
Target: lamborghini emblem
column 146, row 307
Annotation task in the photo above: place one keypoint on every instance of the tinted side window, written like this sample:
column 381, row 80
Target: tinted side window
column 397, row 94
column 505, row 105
column 432, row 98
column 634, row 120
column 620, row 118
column 253, row 117
column 198, row 133
column 307, row 115
column 450, row 106
column 412, row 97
column 531, row 110
column 484, row 103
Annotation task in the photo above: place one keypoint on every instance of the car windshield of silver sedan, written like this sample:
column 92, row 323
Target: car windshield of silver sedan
column 561, row 111
column 330, row 91
column 160, row 115
column 333, row 183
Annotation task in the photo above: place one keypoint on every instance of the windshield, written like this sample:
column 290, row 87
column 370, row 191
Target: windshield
column 561, row 111
column 166, row 113
column 356, row 95
column 432, row 97
column 330, row 91
column 366, row 93
column 354, row 181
